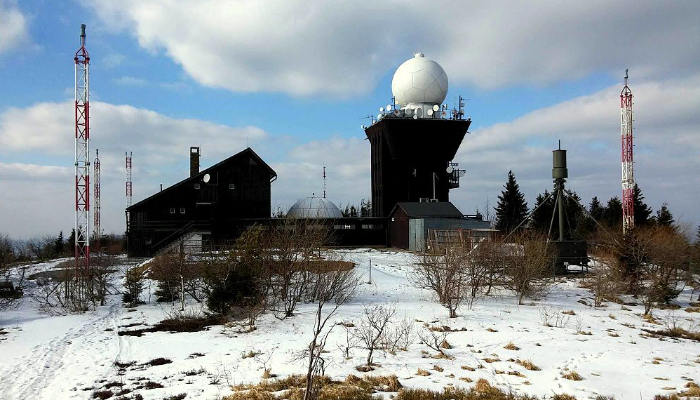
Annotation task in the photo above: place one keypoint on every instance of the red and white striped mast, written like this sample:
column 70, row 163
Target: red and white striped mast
column 627, row 158
column 82, row 160
column 96, row 195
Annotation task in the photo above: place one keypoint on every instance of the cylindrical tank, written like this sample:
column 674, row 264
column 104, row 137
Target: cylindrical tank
column 559, row 170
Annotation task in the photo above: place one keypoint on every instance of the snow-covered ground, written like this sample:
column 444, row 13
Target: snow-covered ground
column 67, row 357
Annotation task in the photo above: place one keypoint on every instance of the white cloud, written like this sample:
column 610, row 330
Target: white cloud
column 131, row 81
column 306, row 47
column 13, row 26
column 300, row 173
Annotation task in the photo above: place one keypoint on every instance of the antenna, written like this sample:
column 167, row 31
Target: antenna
column 96, row 193
column 82, row 174
column 627, row 139
column 324, row 181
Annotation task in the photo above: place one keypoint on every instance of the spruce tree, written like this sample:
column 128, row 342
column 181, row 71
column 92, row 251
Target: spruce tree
column 59, row 245
column 642, row 212
column 596, row 209
column 664, row 216
column 542, row 216
column 612, row 214
column 511, row 209
column 575, row 217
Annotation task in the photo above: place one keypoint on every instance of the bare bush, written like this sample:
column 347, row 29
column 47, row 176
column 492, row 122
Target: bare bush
column 332, row 286
column 373, row 327
column 443, row 273
column 435, row 340
column 528, row 265
column 399, row 336
column 552, row 317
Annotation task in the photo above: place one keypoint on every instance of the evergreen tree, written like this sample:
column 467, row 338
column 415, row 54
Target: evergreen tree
column 574, row 215
column 511, row 209
column 697, row 237
column 59, row 245
column 612, row 214
column 71, row 242
column 664, row 216
column 642, row 212
column 596, row 209
column 542, row 216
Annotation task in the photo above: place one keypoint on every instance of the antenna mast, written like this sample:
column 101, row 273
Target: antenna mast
column 129, row 191
column 82, row 169
column 324, row 181
column 627, row 138
column 96, row 193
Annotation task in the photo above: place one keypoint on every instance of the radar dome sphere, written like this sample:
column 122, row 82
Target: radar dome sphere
column 419, row 80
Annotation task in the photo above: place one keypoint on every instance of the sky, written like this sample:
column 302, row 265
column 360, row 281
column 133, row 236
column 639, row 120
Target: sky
column 295, row 79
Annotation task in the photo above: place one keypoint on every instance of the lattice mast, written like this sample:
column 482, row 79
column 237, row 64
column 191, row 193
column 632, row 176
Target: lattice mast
column 96, row 196
column 82, row 162
column 129, row 191
column 627, row 139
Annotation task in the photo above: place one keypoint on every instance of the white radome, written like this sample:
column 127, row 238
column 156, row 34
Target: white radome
column 419, row 80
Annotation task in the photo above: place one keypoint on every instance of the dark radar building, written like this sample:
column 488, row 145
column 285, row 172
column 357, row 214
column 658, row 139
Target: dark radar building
column 414, row 142
column 211, row 206
column 415, row 139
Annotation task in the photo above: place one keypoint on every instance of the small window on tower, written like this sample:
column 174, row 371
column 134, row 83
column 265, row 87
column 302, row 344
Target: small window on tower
column 231, row 186
column 196, row 186
column 182, row 210
column 172, row 210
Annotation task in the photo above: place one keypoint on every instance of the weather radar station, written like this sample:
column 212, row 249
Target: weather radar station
column 415, row 138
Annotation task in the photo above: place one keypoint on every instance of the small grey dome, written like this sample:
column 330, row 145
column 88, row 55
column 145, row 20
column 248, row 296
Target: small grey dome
column 314, row 207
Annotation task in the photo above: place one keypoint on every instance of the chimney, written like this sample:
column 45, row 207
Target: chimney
column 194, row 161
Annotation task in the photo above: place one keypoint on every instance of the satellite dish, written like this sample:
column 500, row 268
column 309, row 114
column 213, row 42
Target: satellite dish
column 379, row 117
column 206, row 178
column 419, row 112
column 436, row 107
column 450, row 169
column 409, row 112
column 415, row 117
column 430, row 112
column 381, row 110
column 362, row 127
column 397, row 112
column 388, row 107
column 461, row 173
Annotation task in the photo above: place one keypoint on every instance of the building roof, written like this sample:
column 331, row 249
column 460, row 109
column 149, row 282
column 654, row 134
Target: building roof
column 247, row 152
column 314, row 207
column 443, row 209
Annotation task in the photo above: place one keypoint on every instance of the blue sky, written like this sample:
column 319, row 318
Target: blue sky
column 295, row 80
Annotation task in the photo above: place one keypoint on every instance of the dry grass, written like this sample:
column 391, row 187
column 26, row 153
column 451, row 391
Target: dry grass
column 528, row 365
column 693, row 309
column 292, row 388
column 693, row 390
column 466, row 379
column 491, row 330
column 467, row 368
column 491, row 360
column 511, row 346
column 570, row 312
column 438, row 368
column 422, row 372
column 572, row 376
column 516, row 373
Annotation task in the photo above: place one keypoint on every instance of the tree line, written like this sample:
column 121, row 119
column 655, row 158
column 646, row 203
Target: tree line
column 512, row 210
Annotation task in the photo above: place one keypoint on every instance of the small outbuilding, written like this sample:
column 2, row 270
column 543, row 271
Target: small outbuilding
column 409, row 223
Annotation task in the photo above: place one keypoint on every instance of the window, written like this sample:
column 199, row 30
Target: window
column 172, row 210
column 182, row 210
column 196, row 186
column 231, row 186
